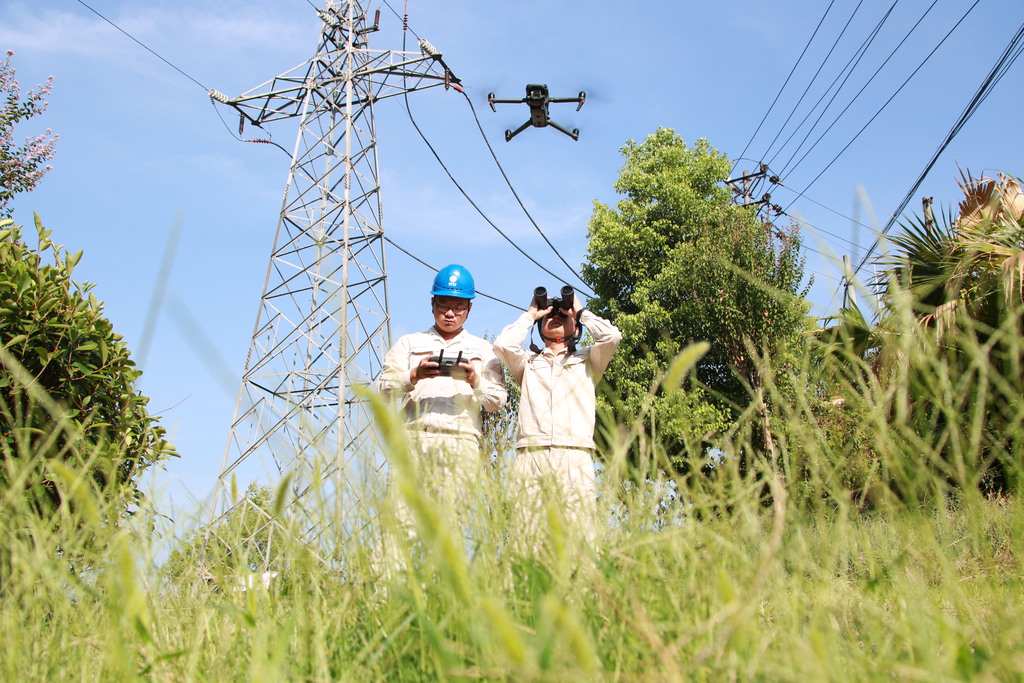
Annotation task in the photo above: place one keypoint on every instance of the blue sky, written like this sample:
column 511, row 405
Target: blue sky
column 142, row 149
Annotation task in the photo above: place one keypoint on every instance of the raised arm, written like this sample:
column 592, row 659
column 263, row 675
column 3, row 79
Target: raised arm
column 606, row 338
column 508, row 346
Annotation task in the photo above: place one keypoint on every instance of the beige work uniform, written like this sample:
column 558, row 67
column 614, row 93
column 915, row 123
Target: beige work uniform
column 442, row 420
column 554, row 458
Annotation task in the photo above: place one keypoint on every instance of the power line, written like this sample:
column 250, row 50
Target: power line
column 183, row 73
column 516, row 194
column 417, row 259
column 854, row 98
column 835, row 238
column 813, row 78
column 817, row 273
column 143, row 45
column 465, row 194
column 786, row 82
column 272, row 142
column 268, row 141
column 404, row 18
column 850, row 67
column 776, row 181
column 812, row 249
column 891, row 98
column 822, row 231
column 874, row 231
column 1006, row 59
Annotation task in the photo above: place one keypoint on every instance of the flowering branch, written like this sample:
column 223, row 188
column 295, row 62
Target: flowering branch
column 21, row 166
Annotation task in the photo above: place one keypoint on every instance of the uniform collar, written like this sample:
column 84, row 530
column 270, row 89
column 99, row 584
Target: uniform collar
column 434, row 332
column 555, row 354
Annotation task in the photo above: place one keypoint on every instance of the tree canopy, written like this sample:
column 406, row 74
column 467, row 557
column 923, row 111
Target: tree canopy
column 675, row 262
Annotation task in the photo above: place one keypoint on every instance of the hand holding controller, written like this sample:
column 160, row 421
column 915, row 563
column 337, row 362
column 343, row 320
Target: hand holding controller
column 449, row 367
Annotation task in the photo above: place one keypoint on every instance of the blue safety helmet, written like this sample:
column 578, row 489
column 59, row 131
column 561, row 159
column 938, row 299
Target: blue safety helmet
column 454, row 280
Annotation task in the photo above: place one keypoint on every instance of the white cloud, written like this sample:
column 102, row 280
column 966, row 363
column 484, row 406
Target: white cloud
column 78, row 31
column 54, row 31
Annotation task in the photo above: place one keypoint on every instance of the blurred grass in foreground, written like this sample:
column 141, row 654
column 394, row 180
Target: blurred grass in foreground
column 796, row 570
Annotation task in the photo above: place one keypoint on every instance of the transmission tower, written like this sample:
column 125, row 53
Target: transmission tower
column 323, row 324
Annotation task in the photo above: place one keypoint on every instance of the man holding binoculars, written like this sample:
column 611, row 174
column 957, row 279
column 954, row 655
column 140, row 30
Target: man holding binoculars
column 554, row 451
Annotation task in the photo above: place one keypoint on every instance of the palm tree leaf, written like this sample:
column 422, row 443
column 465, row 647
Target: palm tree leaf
column 1013, row 277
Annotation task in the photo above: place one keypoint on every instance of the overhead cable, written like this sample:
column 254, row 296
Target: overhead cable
column 516, row 194
column 786, row 82
column 891, row 98
column 412, row 119
column 182, row 72
column 855, row 97
column 813, row 79
column 1005, row 61
column 143, row 45
column 465, row 194
column 874, row 231
column 851, row 66
column 424, row 263
column 405, row 19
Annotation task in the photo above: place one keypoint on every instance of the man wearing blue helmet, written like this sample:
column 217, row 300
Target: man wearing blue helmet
column 442, row 377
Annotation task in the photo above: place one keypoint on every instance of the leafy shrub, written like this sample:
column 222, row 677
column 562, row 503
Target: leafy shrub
column 67, row 384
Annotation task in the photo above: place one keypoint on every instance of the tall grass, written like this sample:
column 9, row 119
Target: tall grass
column 804, row 567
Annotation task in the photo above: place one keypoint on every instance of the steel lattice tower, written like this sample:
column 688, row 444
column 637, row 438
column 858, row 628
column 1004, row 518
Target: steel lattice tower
column 323, row 324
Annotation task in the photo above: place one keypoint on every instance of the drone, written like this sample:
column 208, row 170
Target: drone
column 538, row 99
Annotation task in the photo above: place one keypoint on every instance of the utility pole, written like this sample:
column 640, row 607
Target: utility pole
column 929, row 216
column 747, row 185
column 323, row 323
column 849, row 293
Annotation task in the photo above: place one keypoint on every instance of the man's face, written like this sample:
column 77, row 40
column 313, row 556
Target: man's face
column 558, row 325
column 450, row 313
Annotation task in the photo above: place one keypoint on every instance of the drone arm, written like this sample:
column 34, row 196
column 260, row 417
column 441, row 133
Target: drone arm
column 492, row 100
column 574, row 133
column 579, row 100
column 509, row 134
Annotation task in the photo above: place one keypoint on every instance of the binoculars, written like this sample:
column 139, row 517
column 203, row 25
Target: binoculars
column 541, row 300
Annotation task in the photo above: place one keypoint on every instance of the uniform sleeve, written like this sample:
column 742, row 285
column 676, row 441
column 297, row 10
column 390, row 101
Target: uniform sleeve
column 491, row 390
column 508, row 346
column 606, row 339
column 393, row 382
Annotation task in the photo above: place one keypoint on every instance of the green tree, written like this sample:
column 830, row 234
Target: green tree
column 21, row 166
column 675, row 262
column 67, row 383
